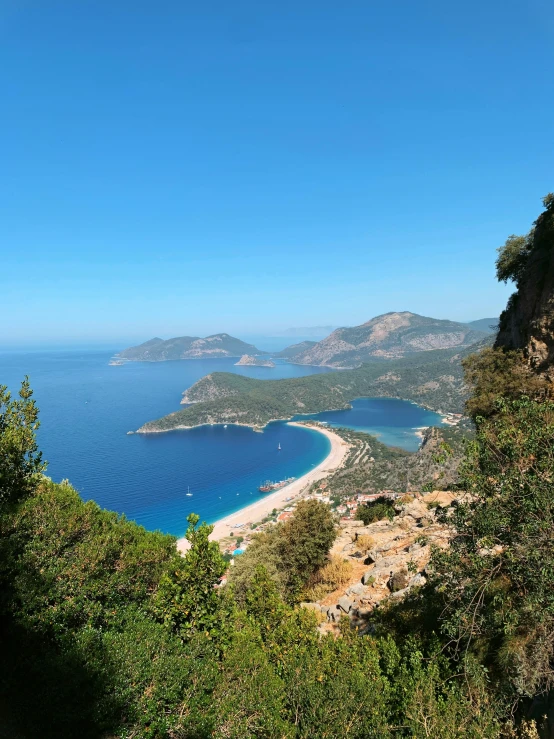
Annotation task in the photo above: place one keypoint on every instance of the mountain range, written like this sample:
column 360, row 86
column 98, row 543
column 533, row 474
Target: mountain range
column 389, row 336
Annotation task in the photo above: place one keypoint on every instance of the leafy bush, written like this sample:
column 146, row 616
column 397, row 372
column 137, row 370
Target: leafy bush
column 496, row 579
column 376, row 510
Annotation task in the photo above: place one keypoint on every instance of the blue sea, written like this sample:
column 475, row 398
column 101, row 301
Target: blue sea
column 87, row 407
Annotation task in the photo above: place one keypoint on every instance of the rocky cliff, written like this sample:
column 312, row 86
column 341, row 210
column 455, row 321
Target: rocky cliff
column 528, row 321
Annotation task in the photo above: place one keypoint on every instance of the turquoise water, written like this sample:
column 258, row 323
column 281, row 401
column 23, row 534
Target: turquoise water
column 87, row 407
column 392, row 421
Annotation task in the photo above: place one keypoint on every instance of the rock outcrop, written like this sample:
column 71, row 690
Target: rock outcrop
column 528, row 321
column 395, row 563
column 247, row 360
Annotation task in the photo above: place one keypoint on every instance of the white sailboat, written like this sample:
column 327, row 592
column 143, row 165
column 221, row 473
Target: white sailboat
column 279, row 446
column 188, row 493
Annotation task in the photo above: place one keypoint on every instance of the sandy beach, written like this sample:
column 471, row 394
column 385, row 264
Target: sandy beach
column 261, row 508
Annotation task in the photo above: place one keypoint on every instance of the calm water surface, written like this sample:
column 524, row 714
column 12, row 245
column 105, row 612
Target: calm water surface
column 394, row 422
column 87, row 407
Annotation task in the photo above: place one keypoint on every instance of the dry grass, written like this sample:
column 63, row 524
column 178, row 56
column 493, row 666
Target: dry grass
column 336, row 572
column 365, row 542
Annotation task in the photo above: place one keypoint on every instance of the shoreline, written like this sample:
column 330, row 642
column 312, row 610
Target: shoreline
column 254, row 512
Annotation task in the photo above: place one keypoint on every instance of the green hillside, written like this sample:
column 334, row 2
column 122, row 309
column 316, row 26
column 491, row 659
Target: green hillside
column 433, row 379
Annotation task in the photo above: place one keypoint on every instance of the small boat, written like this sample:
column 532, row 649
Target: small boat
column 188, row 493
column 225, row 426
column 279, row 447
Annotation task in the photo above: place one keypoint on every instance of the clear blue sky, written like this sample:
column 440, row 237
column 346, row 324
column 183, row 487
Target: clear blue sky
column 173, row 167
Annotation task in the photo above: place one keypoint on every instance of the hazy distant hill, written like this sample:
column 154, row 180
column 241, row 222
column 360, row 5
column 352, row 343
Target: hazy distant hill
column 294, row 349
column 390, row 336
column 484, row 324
column 188, row 347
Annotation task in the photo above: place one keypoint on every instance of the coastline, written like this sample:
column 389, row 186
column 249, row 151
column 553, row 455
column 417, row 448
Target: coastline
column 256, row 511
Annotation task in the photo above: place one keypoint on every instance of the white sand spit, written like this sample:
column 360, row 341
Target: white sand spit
column 262, row 508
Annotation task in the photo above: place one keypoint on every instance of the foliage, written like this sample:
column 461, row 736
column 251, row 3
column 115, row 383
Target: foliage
column 334, row 573
column 512, row 258
column 262, row 551
column 304, row 542
column 494, row 373
column 73, row 565
column 496, row 580
column 290, row 552
column 20, row 460
column 376, row 510
column 365, row 542
column 186, row 599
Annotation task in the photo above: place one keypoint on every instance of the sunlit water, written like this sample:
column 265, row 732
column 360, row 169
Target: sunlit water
column 87, row 407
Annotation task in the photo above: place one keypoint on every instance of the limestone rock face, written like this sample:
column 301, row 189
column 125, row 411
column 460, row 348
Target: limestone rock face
column 345, row 604
column 390, row 335
column 528, row 321
column 248, row 360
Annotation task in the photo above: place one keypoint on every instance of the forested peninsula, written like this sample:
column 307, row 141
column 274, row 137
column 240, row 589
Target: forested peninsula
column 432, row 378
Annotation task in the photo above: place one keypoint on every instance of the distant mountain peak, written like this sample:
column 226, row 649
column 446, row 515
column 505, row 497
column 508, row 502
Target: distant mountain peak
column 387, row 336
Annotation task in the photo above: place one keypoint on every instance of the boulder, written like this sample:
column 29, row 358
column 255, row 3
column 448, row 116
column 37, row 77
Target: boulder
column 398, row 581
column 400, row 593
column 418, row 580
column 416, row 509
column 368, row 577
column 345, row 604
column 372, row 556
column 358, row 589
column 311, row 606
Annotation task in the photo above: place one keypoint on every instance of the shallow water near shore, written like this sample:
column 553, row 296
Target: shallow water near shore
column 394, row 422
column 87, row 408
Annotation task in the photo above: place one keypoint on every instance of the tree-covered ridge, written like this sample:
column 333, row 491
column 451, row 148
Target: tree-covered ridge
column 433, row 379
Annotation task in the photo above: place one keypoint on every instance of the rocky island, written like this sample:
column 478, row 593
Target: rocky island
column 247, row 360
column 188, row 347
